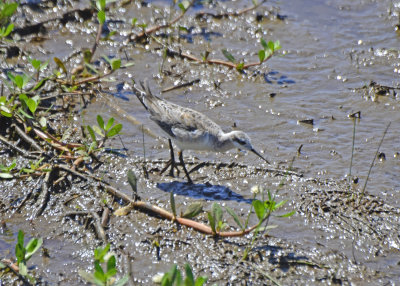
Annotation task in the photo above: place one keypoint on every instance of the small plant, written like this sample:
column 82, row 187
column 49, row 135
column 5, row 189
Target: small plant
column 6, row 11
column 269, row 49
column 5, row 172
column 263, row 209
column 174, row 277
column 24, row 253
column 105, row 130
column 101, row 277
column 215, row 218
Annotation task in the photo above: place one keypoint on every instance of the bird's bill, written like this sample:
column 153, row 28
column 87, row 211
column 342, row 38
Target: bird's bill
column 258, row 154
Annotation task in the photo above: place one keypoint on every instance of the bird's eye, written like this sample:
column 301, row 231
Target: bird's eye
column 240, row 142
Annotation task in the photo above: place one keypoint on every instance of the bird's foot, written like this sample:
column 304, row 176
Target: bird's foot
column 172, row 165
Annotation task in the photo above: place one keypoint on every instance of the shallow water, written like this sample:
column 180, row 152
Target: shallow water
column 331, row 49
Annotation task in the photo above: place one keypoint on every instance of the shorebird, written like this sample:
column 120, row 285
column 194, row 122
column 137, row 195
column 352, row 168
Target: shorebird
column 190, row 129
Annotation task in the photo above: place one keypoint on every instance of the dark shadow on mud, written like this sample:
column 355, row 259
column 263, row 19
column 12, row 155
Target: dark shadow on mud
column 202, row 191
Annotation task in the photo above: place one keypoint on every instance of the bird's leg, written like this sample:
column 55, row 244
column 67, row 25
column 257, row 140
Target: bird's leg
column 171, row 163
column 180, row 153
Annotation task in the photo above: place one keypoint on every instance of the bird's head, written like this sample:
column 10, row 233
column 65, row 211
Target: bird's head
column 242, row 141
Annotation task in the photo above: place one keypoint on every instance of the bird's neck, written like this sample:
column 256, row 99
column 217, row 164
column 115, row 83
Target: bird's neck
column 225, row 142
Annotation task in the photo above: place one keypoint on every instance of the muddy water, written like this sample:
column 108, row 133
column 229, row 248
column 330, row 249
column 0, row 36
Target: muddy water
column 331, row 49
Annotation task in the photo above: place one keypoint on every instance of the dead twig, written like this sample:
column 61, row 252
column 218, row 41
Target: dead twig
column 96, row 222
column 136, row 37
column 19, row 150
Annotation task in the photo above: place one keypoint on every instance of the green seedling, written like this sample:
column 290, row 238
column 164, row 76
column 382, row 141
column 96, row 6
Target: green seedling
column 5, row 172
column 38, row 66
column 114, row 63
column 24, row 253
column 269, row 49
column 100, row 276
column 215, row 218
column 7, row 106
column 174, row 278
column 20, row 81
column 107, row 130
column 263, row 210
column 33, row 167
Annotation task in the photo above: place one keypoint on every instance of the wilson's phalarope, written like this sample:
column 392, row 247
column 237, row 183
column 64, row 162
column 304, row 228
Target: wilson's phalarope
column 189, row 129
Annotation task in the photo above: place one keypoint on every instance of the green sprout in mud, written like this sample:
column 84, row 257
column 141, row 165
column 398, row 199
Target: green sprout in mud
column 105, row 130
column 100, row 276
column 174, row 278
column 24, row 253
column 263, row 210
column 6, row 11
column 5, row 171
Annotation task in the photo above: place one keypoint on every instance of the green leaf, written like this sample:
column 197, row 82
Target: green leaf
column 172, row 202
column 39, row 84
column 277, row 45
column 6, row 176
column 228, row 55
column 101, row 4
column 9, row 29
column 9, row 9
column 115, row 130
column 19, row 81
column 20, row 110
column 101, row 16
column 255, row 2
column 121, row 281
column 33, row 245
column 111, row 263
column 98, row 272
column 259, row 209
column 100, row 121
column 200, row 281
column 271, row 45
column 32, row 105
column 264, row 44
column 281, row 203
column 133, row 22
column 235, row 217
column 261, row 55
column 91, row 133
column 288, row 214
column 87, row 56
column 240, row 66
column 189, row 280
column 35, row 63
column 60, row 64
column 184, row 5
column 98, row 130
column 116, row 64
column 193, row 210
column 99, row 252
column 216, row 212
column 23, row 270
column 110, row 122
column 212, row 221
column 132, row 180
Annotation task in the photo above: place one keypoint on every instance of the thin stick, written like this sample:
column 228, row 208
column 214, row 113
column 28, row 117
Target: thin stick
column 372, row 164
column 352, row 149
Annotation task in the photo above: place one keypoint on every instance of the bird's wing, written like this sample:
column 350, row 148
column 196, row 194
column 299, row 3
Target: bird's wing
column 183, row 123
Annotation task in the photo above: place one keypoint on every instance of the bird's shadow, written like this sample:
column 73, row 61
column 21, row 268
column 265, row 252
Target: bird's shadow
column 203, row 191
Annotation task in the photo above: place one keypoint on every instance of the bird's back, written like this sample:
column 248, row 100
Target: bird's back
column 188, row 128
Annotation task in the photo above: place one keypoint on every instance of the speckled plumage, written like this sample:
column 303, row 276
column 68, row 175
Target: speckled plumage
column 190, row 129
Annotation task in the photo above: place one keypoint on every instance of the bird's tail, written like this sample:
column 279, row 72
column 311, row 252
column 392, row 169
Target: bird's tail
column 143, row 93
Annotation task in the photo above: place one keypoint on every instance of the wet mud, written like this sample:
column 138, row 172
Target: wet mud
column 334, row 84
